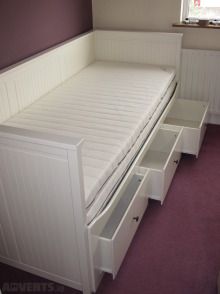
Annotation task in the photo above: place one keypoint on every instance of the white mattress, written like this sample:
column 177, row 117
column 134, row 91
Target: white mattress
column 109, row 105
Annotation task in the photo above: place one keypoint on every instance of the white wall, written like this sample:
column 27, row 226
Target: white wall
column 151, row 15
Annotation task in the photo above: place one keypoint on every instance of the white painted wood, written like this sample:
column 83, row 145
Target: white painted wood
column 109, row 248
column 28, row 150
column 41, row 175
column 43, row 192
column 79, row 211
column 3, row 243
column 30, row 80
column 76, row 55
column 41, row 273
column 156, row 128
column 140, row 47
column 94, row 241
column 200, row 79
column 160, row 113
column 193, row 117
column 39, row 138
column 8, row 245
column 162, row 158
column 27, row 82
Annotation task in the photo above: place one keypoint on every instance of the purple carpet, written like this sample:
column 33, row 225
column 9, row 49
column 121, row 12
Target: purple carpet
column 177, row 247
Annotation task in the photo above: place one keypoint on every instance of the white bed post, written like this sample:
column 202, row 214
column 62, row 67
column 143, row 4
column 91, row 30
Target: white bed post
column 74, row 158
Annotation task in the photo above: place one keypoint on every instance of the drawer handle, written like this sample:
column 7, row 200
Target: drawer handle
column 176, row 161
column 136, row 218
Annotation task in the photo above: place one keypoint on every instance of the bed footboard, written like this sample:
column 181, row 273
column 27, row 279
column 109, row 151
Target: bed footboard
column 42, row 212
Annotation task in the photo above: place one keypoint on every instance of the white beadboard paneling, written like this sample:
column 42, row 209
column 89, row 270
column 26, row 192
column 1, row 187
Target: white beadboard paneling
column 28, row 81
column 5, row 110
column 42, row 185
column 39, row 201
column 77, row 55
column 200, row 76
column 140, row 47
column 8, row 246
column 3, row 245
column 37, row 79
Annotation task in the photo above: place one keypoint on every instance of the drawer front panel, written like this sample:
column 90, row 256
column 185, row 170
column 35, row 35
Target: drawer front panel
column 190, row 140
column 123, row 238
column 163, row 164
column 192, row 116
column 130, row 225
column 203, row 129
column 109, row 251
column 142, row 201
column 170, row 170
column 172, row 164
column 202, row 135
column 155, row 187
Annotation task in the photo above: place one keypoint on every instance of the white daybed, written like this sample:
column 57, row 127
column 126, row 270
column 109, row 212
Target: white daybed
column 82, row 147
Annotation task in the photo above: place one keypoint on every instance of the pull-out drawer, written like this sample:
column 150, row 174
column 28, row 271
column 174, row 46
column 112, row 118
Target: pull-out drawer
column 162, row 158
column 112, row 232
column 192, row 116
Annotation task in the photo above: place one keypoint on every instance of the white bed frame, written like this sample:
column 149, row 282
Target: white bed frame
column 43, row 227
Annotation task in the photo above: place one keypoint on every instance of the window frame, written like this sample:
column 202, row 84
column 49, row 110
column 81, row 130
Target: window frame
column 185, row 10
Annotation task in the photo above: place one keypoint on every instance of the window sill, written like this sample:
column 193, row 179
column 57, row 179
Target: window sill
column 196, row 26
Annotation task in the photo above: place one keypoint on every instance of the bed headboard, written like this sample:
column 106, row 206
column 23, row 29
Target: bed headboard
column 139, row 47
column 28, row 81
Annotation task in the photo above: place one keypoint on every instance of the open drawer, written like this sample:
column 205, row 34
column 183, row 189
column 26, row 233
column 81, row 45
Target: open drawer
column 192, row 116
column 162, row 159
column 112, row 232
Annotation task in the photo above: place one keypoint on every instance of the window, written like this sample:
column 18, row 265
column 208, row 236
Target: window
column 201, row 9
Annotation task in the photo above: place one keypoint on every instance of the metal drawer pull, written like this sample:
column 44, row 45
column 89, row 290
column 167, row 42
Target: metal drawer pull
column 176, row 161
column 136, row 218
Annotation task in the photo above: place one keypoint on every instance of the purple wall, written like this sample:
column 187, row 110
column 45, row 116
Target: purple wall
column 30, row 26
